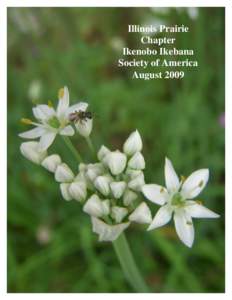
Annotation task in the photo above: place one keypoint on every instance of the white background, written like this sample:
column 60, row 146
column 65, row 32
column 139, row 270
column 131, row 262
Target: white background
column 3, row 139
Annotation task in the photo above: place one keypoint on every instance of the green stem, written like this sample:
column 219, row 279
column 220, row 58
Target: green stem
column 90, row 145
column 74, row 151
column 128, row 264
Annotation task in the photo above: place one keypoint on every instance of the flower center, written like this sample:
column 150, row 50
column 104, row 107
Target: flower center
column 177, row 200
column 54, row 122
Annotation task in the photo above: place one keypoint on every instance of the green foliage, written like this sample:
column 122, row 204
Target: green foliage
column 51, row 247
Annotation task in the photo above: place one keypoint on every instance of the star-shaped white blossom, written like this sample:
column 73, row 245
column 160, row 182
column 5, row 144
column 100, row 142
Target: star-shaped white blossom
column 176, row 200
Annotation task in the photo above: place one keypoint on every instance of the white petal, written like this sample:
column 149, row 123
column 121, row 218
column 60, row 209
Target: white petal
column 171, row 178
column 64, row 173
column 46, row 140
column 129, row 197
column 102, row 152
column 102, row 184
column 184, row 227
column 77, row 107
column 118, row 213
column 137, row 161
column 133, row 144
column 108, row 232
column 118, row 188
column 137, row 183
column 33, row 133
column 78, row 191
column 195, row 183
column 31, row 152
column 106, row 207
column 141, row 214
column 162, row 217
column 196, row 210
column 63, row 103
column 68, row 130
column 93, row 206
column 84, row 127
column 51, row 162
column 133, row 173
column 43, row 112
column 116, row 162
column 64, row 188
column 155, row 193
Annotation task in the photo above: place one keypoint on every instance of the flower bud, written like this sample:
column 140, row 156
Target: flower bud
column 133, row 144
column 64, row 173
column 51, row 162
column 137, row 161
column 82, row 167
column 102, row 184
column 102, row 152
column 106, row 207
column 64, row 188
column 129, row 197
column 118, row 213
column 137, row 183
column 94, row 170
column 141, row 214
column 108, row 232
column 78, row 190
column 117, row 188
column 84, row 127
column 133, row 173
column 31, row 152
column 93, row 206
column 116, row 161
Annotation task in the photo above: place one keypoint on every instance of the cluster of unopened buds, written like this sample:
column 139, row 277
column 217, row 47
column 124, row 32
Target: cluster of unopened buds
column 112, row 190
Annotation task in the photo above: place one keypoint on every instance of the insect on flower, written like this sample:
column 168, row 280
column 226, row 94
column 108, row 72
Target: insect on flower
column 80, row 116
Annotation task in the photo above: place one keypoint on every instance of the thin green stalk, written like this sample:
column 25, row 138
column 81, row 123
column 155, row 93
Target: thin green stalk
column 128, row 264
column 90, row 145
column 74, row 151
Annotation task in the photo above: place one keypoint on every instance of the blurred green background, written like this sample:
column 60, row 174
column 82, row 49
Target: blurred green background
column 51, row 247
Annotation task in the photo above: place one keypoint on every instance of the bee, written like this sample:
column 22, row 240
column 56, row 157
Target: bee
column 80, row 116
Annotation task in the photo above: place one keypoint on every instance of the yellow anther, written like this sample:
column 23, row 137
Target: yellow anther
column 26, row 121
column 50, row 103
column 183, row 178
column 162, row 190
column 61, row 93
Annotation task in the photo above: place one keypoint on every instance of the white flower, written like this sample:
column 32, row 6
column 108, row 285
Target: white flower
column 102, row 184
column 30, row 151
column 118, row 213
column 176, row 199
column 64, row 188
column 137, row 183
column 129, row 197
column 51, row 122
column 64, row 173
column 141, row 214
column 94, row 207
column 102, row 152
column 133, row 144
column 84, row 127
column 78, row 190
column 117, row 188
column 108, row 232
column 133, row 173
column 137, row 161
column 51, row 162
column 116, row 161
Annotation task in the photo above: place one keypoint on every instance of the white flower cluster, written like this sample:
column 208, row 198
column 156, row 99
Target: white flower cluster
column 110, row 190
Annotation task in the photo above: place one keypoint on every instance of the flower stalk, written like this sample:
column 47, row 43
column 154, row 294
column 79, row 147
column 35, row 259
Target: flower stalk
column 74, row 151
column 128, row 264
